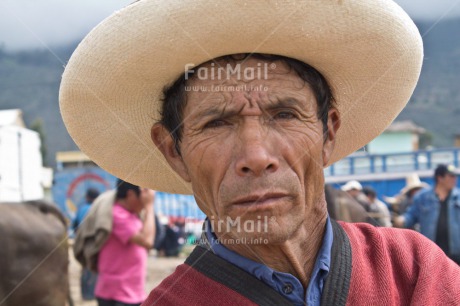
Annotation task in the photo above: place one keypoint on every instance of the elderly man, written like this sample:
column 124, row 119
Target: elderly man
column 246, row 103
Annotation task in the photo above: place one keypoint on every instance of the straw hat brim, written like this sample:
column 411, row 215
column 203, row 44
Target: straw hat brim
column 413, row 186
column 392, row 200
column 369, row 51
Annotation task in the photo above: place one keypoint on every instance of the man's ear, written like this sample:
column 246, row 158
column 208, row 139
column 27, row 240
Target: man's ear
column 165, row 143
column 333, row 125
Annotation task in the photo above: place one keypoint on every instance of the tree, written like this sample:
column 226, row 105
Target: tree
column 425, row 140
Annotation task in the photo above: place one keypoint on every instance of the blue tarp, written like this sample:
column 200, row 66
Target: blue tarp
column 70, row 187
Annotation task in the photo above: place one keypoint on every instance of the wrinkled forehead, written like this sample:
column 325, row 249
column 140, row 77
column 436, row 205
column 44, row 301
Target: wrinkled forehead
column 238, row 67
column 238, row 77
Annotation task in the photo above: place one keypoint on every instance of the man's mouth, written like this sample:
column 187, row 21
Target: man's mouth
column 259, row 201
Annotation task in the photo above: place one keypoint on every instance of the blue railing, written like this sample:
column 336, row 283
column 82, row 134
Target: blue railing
column 364, row 163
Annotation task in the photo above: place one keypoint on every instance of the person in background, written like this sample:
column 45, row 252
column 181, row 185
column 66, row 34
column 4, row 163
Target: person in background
column 402, row 201
column 379, row 210
column 355, row 190
column 341, row 206
column 122, row 263
column 88, row 278
column 437, row 210
column 82, row 211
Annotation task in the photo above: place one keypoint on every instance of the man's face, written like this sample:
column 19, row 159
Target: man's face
column 137, row 202
column 448, row 181
column 256, row 157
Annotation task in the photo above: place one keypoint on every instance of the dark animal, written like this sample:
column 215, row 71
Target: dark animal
column 33, row 255
column 344, row 208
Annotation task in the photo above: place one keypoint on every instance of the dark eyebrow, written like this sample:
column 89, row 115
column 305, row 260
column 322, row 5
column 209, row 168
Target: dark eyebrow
column 223, row 112
column 284, row 102
column 210, row 112
column 215, row 112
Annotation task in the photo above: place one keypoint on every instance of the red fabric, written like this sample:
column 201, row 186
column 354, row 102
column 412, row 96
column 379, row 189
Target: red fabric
column 399, row 267
column 186, row 286
column 390, row 267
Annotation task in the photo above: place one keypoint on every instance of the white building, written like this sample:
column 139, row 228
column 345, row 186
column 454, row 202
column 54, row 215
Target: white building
column 21, row 168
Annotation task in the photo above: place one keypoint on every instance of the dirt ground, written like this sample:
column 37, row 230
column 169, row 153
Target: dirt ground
column 158, row 269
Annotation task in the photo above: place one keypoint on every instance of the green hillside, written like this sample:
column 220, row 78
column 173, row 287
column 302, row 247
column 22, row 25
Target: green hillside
column 435, row 104
column 29, row 80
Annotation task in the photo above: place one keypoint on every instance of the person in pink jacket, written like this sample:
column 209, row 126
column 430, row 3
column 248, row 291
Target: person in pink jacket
column 122, row 260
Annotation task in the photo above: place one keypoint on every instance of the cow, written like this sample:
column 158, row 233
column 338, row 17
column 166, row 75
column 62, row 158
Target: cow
column 342, row 207
column 33, row 255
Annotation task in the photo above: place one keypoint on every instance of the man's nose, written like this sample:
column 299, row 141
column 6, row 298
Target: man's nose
column 255, row 155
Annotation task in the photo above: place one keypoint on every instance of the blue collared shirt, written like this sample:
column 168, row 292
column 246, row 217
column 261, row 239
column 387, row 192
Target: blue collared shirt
column 284, row 283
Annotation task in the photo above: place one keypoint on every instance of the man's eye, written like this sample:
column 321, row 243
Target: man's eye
column 284, row 115
column 215, row 123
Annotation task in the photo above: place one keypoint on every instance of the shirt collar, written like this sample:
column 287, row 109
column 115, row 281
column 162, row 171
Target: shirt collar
column 278, row 280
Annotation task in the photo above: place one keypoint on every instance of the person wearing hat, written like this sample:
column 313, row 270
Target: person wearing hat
column 437, row 211
column 413, row 184
column 376, row 215
column 246, row 103
column 402, row 201
column 355, row 190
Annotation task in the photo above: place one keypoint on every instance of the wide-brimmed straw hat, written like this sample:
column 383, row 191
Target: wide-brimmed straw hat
column 369, row 51
column 412, row 182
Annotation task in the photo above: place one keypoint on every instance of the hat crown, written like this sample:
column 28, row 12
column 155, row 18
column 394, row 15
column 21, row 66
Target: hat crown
column 413, row 180
column 352, row 185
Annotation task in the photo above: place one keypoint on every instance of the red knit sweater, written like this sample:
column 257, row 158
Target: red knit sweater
column 389, row 267
column 399, row 267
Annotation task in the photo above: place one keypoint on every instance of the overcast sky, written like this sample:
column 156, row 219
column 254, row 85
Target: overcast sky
column 40, row 23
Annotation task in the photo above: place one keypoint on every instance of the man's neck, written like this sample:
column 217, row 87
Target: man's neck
column 296, row 256
column 442, row 192
column 123, row 204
